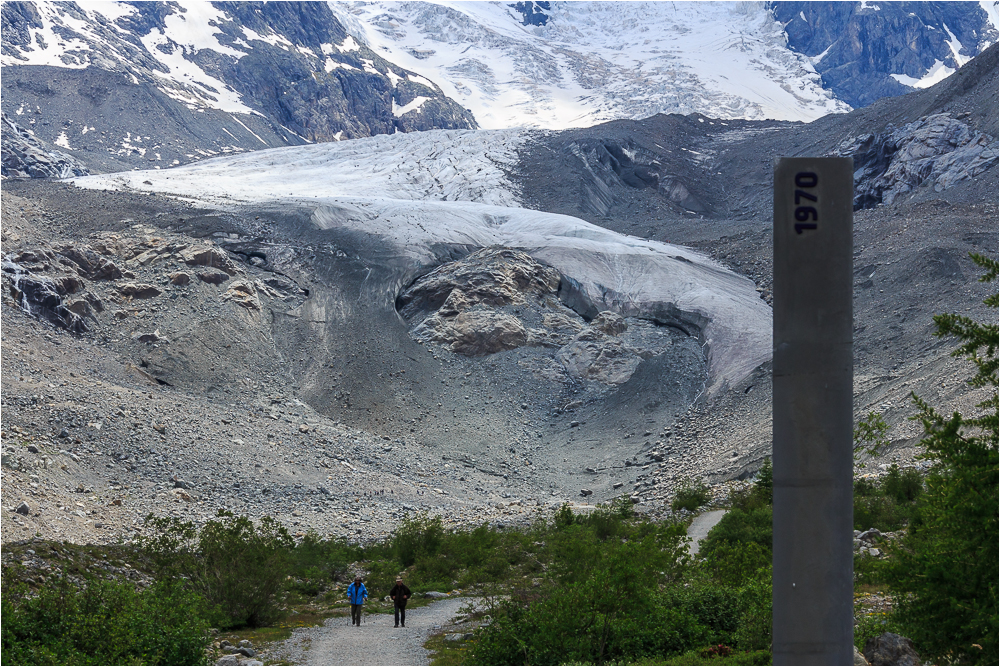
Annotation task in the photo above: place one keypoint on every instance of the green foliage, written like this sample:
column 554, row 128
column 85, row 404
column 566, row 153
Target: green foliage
column 889, row 503
column 758, row 495
column 240, row 568
column 691, row 495
column 870, row 435
column 419, row 536
column 103, row 623
column 734, row 563
column 604, row 600
column 331, row 556
column 612, row 614
column 944, row 573
column 753, row 631
column 702, row 657
column 873, row 625
column 739, row 527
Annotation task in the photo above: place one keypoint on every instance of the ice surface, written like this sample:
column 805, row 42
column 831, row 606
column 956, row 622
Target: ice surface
column 417, row 191
column 597, row 61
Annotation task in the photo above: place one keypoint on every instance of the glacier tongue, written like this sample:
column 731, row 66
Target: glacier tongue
column 418, row 192
column 597, row 61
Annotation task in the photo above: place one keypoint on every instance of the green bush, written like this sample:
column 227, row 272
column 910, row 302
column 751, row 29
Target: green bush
column 944, row 572
column 734, row 563
column 903, row 486
column 417, row 536
column 888, row 503
column 740, row 527
column 605, row 601
column 757, row 495
column 754, row 601
column 869, row 626
column 103, row 623
column 691, row 495
column 238, row 567
column 699, row 657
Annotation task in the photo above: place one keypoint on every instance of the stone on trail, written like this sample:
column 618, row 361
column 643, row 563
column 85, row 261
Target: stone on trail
column 435, row 595
column 23, row 509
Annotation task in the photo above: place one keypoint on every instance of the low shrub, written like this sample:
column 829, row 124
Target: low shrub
column 691, row 495
column 734, row 563
column 753, row 631
column 740, row 527
column 103, row 623
column 869, row 626
column 759, row 494
column 238, row 567
column 889, row 503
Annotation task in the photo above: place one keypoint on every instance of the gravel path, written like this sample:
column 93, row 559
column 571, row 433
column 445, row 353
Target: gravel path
column 375, row 642
column 698, row 530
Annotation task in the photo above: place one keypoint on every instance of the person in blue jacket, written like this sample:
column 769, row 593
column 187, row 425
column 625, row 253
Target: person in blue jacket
column 356, row 595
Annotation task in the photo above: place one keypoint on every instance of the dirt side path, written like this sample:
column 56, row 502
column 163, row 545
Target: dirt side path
column 698, row 530
column 375, row 642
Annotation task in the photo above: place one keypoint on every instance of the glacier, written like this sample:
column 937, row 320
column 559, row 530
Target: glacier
column 597, row 61
column 417, row 192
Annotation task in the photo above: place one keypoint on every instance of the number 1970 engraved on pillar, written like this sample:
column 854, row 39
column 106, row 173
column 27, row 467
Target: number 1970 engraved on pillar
column 813, row 378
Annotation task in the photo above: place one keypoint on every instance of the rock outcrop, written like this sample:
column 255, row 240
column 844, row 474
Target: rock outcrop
column 866, row 51
column 890, row 649
column 137, row 88
column 938, row 150
column 499, row 298
column 23, row 156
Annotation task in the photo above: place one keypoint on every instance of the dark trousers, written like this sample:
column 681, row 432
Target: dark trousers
column 355, row 614
column 400, row 612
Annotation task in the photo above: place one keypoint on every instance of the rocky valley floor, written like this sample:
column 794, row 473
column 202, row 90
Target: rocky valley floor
column 143, row 287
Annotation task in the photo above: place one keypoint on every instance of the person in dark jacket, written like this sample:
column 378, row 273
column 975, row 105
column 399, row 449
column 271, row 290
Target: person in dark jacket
column 356, row 595
column 400, row 594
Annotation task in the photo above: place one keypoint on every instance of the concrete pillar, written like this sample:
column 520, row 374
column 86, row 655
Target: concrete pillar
column 813, row 418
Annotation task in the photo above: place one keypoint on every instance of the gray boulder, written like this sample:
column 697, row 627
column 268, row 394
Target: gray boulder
column 890, row 649
column 435, row 595
column 23, row 509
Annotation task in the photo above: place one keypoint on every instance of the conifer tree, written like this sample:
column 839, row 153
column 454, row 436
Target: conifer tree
column 944, row 573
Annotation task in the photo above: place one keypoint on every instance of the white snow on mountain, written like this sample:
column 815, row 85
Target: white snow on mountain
column 936, row 73
column 106, row 44
column 419, row 190
column 992, row 9
column 597, row 61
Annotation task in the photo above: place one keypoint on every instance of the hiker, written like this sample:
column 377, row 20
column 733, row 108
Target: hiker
column 400, row 594
column 356, row 595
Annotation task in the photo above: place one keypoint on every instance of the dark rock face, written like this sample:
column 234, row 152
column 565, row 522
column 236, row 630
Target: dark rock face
column 890, row 649
column 607, row 163
column 292, row 64
column 533, row 12
column 24, row 156
column 939, row 149
column 864, row 45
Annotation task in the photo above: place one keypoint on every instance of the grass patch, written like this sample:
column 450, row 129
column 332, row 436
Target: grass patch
column 444, row 652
